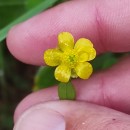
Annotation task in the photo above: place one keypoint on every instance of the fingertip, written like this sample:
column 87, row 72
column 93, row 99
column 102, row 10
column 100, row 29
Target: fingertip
column 28, row 40
column 98, row 21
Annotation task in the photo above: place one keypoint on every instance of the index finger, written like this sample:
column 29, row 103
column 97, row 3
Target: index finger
column 105, row 23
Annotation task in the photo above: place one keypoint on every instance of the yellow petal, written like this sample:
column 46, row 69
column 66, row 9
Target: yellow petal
column 91, row 53
column 52, row 57
column 62, row 73
column 83, row 56
column 84, row 70
column 65, row 41
column 85, row 46
column 83, row 42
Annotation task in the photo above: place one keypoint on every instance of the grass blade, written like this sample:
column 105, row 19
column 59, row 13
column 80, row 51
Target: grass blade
column 41, row 7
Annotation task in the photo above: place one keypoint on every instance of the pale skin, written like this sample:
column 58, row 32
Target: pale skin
column 103, row 101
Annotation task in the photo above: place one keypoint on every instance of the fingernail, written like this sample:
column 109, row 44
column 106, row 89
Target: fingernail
column 40, row 119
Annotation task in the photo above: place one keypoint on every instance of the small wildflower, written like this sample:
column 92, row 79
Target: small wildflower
column 71, row 59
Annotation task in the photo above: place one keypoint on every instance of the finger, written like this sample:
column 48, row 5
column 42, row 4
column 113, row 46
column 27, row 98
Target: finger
column 109, row 88
column 105, row 23
column 68, row 115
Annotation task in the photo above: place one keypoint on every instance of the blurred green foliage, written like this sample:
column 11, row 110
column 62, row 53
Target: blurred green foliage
column 33, row 11
column 10, row 9
column 16, row 78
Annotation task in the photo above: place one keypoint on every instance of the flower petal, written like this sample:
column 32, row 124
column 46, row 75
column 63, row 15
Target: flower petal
column 66, row 41
column 52, row 57
column 91, row 53
column 85, row 46
column 83, row 42
column 83, row 56
column 62, row 73
column 84, row 70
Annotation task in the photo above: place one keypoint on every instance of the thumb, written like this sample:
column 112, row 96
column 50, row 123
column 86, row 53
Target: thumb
column 68, row 115
column 40, row 118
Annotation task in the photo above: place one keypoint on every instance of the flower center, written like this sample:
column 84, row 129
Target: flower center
column 70, row 58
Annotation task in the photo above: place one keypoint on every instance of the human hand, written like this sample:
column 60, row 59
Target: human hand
column 106, row 24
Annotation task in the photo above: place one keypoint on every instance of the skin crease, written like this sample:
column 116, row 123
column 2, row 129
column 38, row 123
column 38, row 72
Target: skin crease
column 106, row 24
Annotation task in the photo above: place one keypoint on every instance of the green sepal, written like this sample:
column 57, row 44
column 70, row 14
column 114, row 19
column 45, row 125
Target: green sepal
column 66, row 91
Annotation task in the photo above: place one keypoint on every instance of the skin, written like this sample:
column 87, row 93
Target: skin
column 103, row 100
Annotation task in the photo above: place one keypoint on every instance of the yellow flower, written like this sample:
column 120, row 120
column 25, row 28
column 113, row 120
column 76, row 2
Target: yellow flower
column 71, row 60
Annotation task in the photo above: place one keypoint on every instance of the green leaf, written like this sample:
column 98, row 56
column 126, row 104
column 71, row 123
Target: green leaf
column 42, row 6
column 66, row 91
column 45, row 78
column 104, row 61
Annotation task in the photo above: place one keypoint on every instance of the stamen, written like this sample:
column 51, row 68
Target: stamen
column 70, row 58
